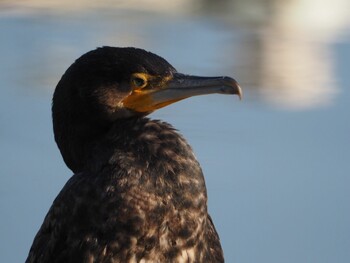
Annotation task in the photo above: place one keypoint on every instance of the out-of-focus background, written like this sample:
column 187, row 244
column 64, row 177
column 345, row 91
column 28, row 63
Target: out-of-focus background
column 277, row 164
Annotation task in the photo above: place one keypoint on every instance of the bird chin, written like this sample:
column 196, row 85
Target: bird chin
column 124, row 113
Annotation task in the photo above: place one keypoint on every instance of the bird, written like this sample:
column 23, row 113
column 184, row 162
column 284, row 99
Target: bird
column 137, row 193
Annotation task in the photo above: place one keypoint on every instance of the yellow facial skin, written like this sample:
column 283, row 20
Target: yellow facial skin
column 150, row 93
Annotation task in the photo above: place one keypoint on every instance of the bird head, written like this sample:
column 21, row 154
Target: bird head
column 110, row 84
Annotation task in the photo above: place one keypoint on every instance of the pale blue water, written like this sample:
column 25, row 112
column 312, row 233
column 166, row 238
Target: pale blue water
column 277, row 164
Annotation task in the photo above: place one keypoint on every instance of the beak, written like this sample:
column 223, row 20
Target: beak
column 177, row 88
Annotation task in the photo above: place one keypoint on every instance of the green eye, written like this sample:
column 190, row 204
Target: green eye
column 138, row 82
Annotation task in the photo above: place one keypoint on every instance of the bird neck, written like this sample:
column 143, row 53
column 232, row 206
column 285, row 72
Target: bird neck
column 76, row 137
column 88, row 145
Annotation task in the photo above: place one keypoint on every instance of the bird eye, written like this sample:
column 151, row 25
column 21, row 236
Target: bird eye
column 138, row 82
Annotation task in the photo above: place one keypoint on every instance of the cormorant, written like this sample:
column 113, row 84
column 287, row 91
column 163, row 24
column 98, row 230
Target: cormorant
column 138, row 193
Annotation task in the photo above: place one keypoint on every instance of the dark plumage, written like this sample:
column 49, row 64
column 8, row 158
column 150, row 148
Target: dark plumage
column 137, row 193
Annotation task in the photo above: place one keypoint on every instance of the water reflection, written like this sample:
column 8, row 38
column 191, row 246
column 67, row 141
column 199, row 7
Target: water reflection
column 297, row 66
column 285, row 53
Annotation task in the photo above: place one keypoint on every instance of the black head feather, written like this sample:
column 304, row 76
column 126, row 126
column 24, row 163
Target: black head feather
column 85, row 99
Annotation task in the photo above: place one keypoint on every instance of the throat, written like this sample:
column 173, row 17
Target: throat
column 77, row 142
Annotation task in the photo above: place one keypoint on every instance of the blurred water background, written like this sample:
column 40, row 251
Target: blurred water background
column 277, row 164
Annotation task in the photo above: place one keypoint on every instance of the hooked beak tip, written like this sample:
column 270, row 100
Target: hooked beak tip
column 239, row 92
column 231, row 86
